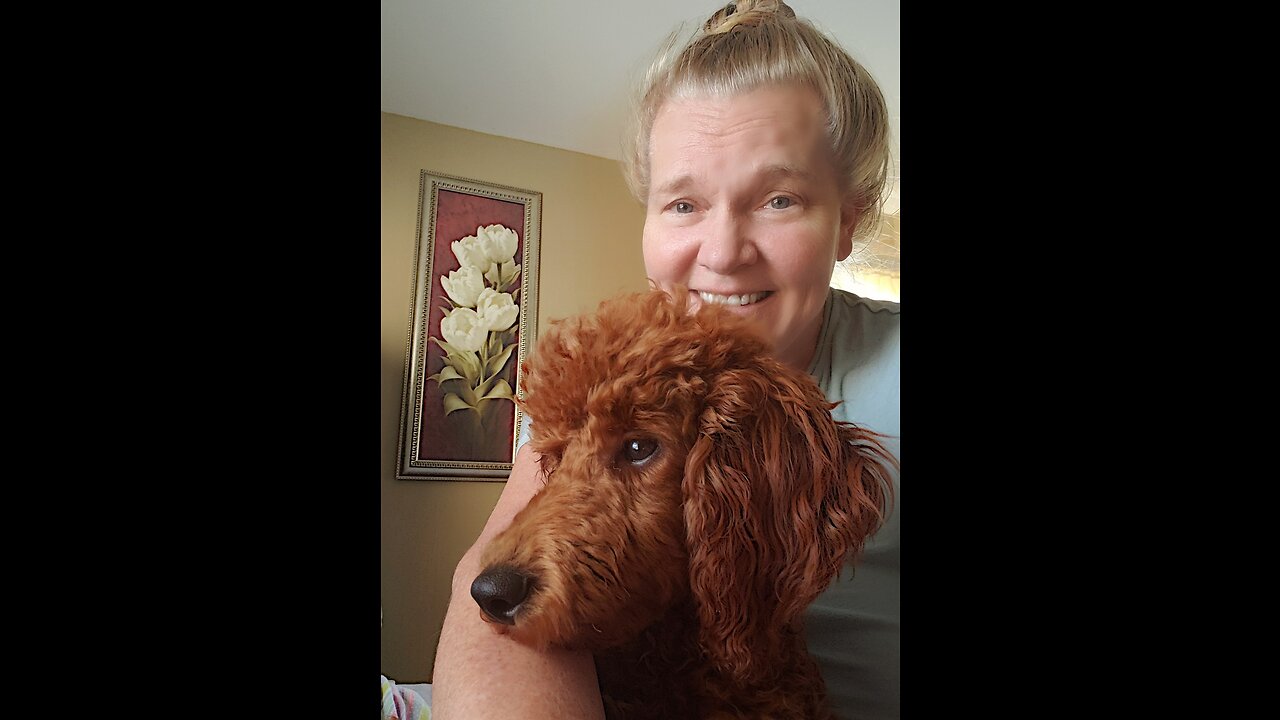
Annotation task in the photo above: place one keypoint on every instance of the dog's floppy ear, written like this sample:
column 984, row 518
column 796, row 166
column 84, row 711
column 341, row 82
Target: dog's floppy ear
column 777, row 497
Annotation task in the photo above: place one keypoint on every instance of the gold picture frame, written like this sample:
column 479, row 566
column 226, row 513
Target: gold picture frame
column 476, row 270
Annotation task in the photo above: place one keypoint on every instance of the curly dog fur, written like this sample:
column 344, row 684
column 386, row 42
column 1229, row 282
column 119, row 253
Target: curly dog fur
column 698, row 497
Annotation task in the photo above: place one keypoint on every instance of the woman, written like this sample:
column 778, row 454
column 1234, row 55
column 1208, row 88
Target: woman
column 761, row 152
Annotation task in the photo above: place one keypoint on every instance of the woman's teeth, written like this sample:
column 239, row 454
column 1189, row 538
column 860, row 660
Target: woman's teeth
column 733, row 299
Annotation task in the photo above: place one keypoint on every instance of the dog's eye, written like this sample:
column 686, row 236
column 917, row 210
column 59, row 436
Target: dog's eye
column 637, row 450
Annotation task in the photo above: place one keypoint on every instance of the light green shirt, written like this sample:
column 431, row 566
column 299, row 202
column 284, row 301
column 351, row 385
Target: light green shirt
column 853, row 629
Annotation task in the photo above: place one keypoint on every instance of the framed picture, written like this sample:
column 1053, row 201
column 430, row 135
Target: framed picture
column 475, row 314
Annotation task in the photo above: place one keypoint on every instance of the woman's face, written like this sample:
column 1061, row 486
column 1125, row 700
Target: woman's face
column 744, row 209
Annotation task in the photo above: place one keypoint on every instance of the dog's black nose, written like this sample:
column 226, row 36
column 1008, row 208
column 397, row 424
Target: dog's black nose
column 499, row 591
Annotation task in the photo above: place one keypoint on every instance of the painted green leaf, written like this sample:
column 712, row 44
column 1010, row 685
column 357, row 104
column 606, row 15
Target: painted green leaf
column 496, row 362
column 501, row 391
column 468, row 394
column 466, row 364
column 446, row 373
column 495, row 344
column 453, row 402
column 446, row 347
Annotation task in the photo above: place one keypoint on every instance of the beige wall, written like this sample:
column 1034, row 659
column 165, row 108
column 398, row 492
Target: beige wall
column 590, row 247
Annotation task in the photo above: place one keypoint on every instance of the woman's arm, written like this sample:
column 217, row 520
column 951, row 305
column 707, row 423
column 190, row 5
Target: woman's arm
column 481, row 674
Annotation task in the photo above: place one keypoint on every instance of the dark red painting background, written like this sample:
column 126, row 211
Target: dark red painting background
column 457, row 216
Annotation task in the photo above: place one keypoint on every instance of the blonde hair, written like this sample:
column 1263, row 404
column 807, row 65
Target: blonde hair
column 756, row 43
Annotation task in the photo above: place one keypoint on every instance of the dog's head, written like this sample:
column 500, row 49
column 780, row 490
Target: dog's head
column 682, row 462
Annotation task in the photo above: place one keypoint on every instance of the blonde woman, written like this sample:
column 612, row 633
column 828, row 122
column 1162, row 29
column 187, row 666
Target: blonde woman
column 761, row 152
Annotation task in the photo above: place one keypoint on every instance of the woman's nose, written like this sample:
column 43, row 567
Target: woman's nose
column 727, row 245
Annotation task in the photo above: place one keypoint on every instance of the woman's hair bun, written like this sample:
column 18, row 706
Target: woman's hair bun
column 745, row 12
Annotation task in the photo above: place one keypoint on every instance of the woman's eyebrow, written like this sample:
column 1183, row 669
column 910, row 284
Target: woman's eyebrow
column 773, row 172
column 675, row 185
column 767, row 174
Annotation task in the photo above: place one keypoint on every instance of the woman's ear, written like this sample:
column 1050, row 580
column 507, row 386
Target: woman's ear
column 777, row 497
column 849, row 215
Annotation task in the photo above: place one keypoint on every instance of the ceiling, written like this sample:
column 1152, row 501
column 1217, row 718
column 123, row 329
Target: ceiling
column 557, row 72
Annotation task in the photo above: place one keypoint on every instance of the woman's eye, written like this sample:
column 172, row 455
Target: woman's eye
column 780, row 203
column 638, row 450
column 683, row 207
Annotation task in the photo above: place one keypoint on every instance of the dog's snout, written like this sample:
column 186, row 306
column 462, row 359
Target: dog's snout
column 499, row 592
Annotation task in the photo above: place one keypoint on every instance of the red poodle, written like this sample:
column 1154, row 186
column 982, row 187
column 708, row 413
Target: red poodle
column 698, row 497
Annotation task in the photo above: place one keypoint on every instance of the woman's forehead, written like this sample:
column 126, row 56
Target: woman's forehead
column 767, row 134
column 775, row 116
column 785, row 103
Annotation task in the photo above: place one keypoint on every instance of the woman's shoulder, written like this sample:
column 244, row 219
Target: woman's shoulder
column 857, row 333
column 846, row 303
column 853, row 321
column 860, row 364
